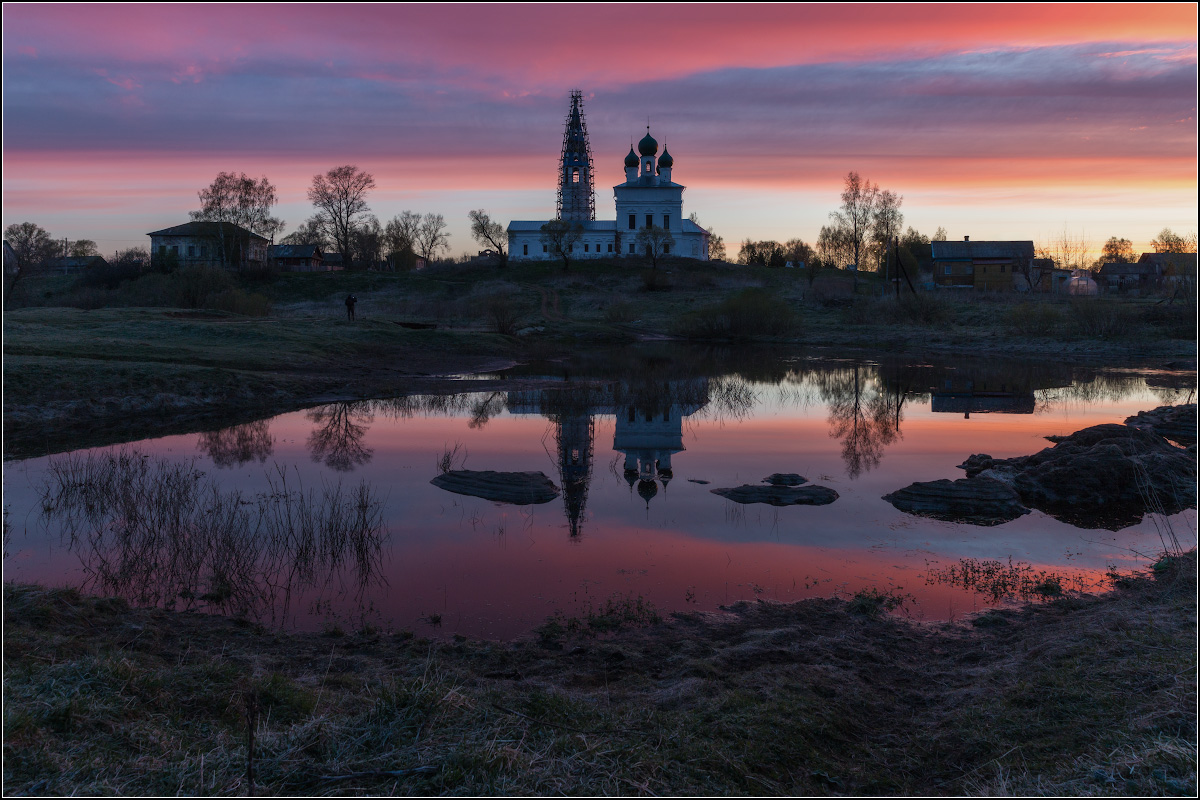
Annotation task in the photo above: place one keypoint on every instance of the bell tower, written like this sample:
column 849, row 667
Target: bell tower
column 576, row 193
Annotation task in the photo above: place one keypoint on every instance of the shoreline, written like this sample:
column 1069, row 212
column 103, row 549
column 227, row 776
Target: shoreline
column 1082, row 695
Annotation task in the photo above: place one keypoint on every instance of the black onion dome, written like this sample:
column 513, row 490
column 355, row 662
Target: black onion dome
column 631, row 160
column 648, row 146
column 666, row 160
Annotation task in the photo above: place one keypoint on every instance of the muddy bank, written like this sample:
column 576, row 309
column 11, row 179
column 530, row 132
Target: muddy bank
column 1085, row 695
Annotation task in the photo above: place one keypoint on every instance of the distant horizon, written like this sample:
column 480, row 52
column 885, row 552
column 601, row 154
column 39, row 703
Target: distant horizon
column 1013, row 122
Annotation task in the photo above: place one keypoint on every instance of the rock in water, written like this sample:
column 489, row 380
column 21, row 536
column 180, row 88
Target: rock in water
column 1177, row 423
column 977, row 500
column 784, row 479
column 519, row 488
column 780, row 495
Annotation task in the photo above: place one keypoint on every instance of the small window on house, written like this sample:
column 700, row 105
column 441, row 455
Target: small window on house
column 985, row 270
column 174, row 249
column 525, row 250
column 162, row 249
column 633, row 222
column 1002, row 266
column 649, row 220
column 667, row 221
column 947, row 269
column 204, row 251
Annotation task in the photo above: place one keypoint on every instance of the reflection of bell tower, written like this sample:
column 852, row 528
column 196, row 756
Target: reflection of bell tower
column 574, row 435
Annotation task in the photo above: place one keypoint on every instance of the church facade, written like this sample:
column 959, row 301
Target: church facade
column 647, row 198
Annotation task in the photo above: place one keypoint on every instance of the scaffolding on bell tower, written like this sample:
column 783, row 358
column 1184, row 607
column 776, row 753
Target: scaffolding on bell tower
column 576, row 189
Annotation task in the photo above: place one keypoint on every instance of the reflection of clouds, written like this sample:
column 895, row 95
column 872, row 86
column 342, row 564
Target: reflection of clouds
column 337, row 437
column 160, row 533
column 231, row 447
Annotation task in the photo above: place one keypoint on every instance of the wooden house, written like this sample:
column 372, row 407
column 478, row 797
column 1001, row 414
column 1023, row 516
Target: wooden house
column 298, row 257
column 987, row 266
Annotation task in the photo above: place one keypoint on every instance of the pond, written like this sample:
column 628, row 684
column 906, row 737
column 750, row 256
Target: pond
column 328, row 518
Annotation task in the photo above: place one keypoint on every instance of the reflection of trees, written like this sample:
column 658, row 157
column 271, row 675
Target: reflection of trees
column 863, row 413
column 337, row 438
column 231, row 447
column 159, row 533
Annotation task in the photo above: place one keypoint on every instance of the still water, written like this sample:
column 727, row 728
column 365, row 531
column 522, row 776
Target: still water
column 634, row 442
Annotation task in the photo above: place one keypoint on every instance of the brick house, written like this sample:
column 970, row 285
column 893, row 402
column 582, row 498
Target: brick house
column 201, row 244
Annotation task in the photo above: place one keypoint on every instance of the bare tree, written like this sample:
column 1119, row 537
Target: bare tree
column 855, row 218
column 560, row 237
column 237, row 199
column 939, row 235
column 400, row 239
column 490, row 233
column 885, row 222
column 716, row 244
column 431, row 237
column 1069, row 250
column 654, row 242
column 340, row 199
column 32, row 246
column 310, row 232
column 834, row 246
column 1168, row 241
column 368, row 241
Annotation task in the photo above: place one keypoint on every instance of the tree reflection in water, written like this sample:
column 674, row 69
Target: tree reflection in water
column 337, row 438
column 161, row 534
column 864, row 413
column 240, row 444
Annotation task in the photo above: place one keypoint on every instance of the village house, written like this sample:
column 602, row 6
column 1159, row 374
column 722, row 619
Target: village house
column 987, row 266
column 72, row 265
column 201, row 243
column 298, row 258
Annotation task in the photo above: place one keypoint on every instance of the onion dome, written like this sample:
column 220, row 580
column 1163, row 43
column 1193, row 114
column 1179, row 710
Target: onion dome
column 648, row 146
column 631, row 160
column 647, row 489
column 665, row 160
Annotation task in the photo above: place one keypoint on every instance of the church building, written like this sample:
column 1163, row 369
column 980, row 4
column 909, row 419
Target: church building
column 648, row 197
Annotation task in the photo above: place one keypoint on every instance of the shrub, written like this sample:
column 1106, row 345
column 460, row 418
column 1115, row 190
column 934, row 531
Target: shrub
column 1035, row 319
column 753, row 312
column 194, row 285
column 620, row 312
column 501, row 312
column 1101, row 319
column 655, row 281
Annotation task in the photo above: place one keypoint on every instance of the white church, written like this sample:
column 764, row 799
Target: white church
column 648, row 197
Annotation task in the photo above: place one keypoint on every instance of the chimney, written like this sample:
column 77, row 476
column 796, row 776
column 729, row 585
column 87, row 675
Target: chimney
column 966, row 238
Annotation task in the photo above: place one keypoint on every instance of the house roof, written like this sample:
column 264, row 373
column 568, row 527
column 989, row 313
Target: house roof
column 535, row 226
column 208, row 229
column 294, row 251
column 77, row 262
column 1163, row 260
column 965, row 251
column 1128, row 268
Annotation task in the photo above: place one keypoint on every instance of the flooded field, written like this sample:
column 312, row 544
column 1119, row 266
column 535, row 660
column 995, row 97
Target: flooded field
column 330, row 518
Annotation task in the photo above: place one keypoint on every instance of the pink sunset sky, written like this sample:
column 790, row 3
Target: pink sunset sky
column 996, row 122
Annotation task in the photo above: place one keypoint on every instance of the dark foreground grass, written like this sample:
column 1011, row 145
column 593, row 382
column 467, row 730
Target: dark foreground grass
column 1082, row 695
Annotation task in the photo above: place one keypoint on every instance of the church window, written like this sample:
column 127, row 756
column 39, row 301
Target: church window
column 667, row 415
column 545, row 249
column 174, row 249
column 526, row 252
column 585, row 247
column 631, row 250
column 666, row 249
column 631, row 414
column 667, row 221
column 574, row 176
column 647, row 168
column 633, row 222
column 610, row 247
column 649, row 220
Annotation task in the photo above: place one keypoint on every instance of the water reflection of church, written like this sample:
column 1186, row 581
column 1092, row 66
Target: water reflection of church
column 649, row 431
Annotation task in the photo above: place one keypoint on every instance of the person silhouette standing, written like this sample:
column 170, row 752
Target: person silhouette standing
column 350, row 301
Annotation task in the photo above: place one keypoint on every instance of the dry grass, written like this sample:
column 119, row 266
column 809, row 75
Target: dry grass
column 1083, row 695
